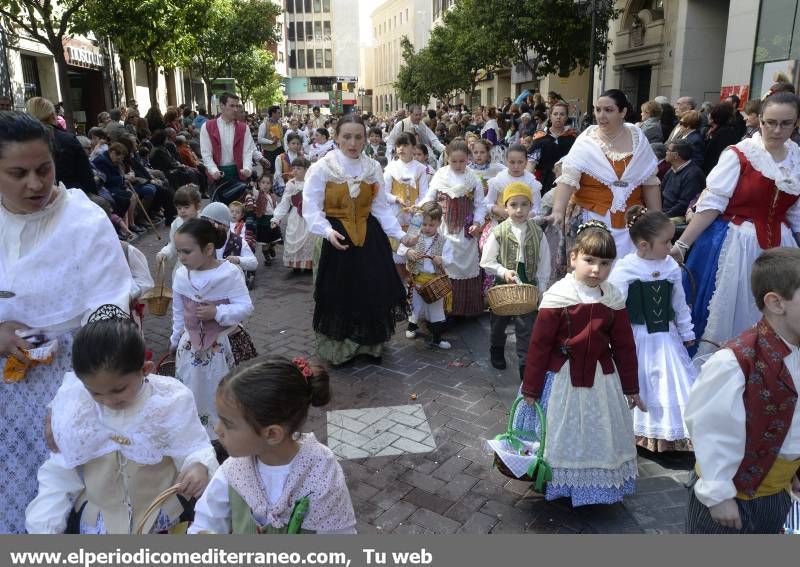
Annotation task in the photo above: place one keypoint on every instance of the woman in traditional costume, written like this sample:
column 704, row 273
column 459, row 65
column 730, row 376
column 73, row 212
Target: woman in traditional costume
column 750, row 204
column 609, row 169
column 47, row 234
column 358, row 294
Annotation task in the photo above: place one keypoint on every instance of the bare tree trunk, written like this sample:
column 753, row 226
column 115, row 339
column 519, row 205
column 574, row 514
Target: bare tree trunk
column 172, row 96
column 63, row 79
column 127, row 79
column 152, row 82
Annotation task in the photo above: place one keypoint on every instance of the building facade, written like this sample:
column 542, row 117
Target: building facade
column 323, row 51
column 391, row 21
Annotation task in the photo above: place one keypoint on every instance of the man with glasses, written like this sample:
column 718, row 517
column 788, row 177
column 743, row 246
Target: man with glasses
column 226, row 144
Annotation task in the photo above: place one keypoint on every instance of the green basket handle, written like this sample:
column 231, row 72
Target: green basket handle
column 539, row 470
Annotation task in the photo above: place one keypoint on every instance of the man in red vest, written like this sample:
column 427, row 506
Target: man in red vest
column 226, row 144
column 742, row 412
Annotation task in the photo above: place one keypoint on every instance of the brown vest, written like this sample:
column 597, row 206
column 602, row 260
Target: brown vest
column 352, row 213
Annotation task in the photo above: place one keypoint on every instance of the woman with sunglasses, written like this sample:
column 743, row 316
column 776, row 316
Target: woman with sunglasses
column 750, row 204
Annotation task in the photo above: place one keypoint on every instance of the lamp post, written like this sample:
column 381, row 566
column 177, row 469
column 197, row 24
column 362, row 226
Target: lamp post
column 361, row 93
column 591, row 6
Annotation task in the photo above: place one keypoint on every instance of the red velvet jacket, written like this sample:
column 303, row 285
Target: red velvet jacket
column 757, row 199
column 770, row 400
column 239, row 132
column 586, row 334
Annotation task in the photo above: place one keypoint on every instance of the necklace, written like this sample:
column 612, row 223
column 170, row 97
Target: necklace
column 610, row 141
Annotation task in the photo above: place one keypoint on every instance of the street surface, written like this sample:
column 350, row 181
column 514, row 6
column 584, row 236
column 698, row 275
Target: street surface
column 410, row 432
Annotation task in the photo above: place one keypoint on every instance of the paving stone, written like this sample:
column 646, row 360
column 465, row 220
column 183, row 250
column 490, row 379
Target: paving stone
column 409, row 446
column 423, row 481
column 478, row 523
column 412, row 529
column 432, row 502
column 362, row 491
column 395, row 515
column 392, row 494
column 434, row 522
column 457, row 486
column 451, row 467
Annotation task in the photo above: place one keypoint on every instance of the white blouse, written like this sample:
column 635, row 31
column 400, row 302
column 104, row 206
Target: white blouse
column 314, row 198
column 142, row 280
column 715, row 418
column 409, row 173
column 227, row 282
column 212, row 512
column 723, row 179
column 491, row 251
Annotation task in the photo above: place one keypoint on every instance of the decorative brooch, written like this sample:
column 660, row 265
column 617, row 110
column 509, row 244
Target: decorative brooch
column 303, row 366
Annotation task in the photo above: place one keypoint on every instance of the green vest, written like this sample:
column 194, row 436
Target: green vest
column 509, row 248
column 242, row 521
column 650, row 304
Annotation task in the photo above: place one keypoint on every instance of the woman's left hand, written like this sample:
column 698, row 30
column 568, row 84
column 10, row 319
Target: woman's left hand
column 634, row 401
column 193, row 480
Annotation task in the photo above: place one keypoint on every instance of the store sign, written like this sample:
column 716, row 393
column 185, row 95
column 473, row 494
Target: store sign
column 83, row 57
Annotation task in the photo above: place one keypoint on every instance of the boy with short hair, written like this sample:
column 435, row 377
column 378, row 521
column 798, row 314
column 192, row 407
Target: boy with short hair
column 516, row 251
column 187, row 201
column 422, row 271
column 376, row 146
column 742, row 412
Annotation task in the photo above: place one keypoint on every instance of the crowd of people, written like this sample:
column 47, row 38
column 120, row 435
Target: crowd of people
column 655, row 247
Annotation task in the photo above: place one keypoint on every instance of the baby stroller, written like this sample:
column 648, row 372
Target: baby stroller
column 227, row 192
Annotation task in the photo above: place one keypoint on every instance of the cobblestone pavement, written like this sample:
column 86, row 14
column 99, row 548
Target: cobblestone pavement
column 410, row 432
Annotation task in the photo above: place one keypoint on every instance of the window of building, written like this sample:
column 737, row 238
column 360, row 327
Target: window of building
column 401, row 18
column 299, row 30
column 326, row 30
column 326, row 5
column 292, row 59
column 320, row 62
column 307, row 5
column 406, row 14
column 290, row 32
column 309, row 31
column 318, row 31
column 30, row 76
column 329, row 59
column 298, row 6
column 301, row 60
column 317, row 6
column 309, row 58
column 490, row 96
column 289, row 6
column 778, row 39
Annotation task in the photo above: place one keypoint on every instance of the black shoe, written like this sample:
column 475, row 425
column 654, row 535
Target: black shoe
column 271, row 252
column 497, row 356
column 138, row 229
column 267, row 261
column 250, row 279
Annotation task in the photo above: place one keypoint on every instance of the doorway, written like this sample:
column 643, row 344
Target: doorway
column 636, row 86
column 87, row 91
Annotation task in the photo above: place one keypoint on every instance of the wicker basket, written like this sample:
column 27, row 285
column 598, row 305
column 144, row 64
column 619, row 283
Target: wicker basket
column 156, row 505
column 158, row 298
column 435, row 289
column 166, row 365
column 513, row 299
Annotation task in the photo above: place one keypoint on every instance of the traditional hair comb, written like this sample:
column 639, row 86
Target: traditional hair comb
column 592, row 224
column 107, row 312
column 303, row 366
column 637, row 216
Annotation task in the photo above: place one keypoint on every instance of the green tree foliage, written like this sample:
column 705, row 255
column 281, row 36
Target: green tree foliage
column 160, row 33
column 478, row 37
column 233, row 30
column 256, row 78
column 47, row 22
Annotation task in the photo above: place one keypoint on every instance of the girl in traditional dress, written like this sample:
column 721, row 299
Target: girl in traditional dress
column 123, row 436
column 650, row 279
column 321, row 146
column 260, row 207
column 750, row 204
column 460, row 192
column 582, row 366
column 209, row 303
column 187, row 201
column 609, row 169
column 276, row 480
column 298, row 242
column 283, row 163
column 406, row 185
column 60, row 259
column 422, row 155
column 344, row 202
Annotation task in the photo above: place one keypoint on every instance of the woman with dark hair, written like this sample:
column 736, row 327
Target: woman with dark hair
column 750, row 204
column 162, row 159
column 609, row 168
column 60, row 259
column 358, row 294
column 155, row 121
column 721, row 134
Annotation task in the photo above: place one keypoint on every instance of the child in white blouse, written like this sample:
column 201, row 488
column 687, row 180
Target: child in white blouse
column 276, row 479
column 111, row 420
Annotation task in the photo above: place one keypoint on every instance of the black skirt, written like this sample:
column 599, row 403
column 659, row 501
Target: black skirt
column 358, row 294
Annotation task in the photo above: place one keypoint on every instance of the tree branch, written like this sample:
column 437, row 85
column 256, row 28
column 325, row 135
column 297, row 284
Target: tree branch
column 31, row 31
